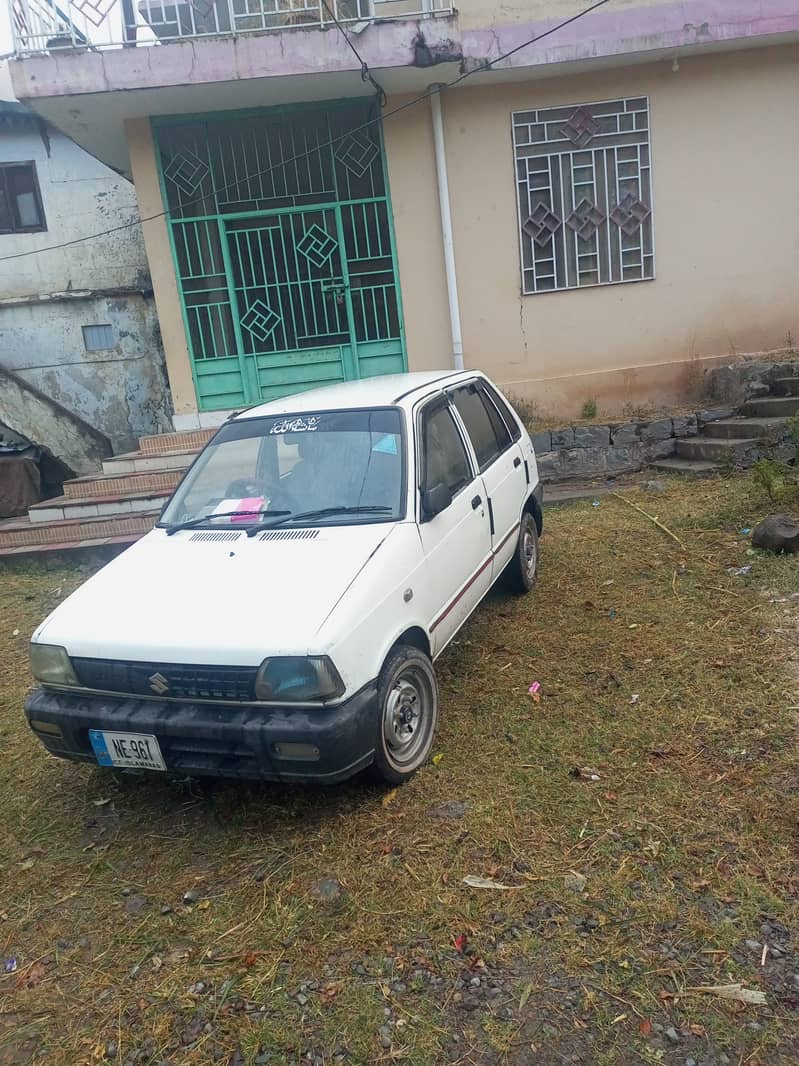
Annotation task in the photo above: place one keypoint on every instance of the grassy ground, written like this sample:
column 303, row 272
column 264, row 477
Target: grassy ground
column 670, row 680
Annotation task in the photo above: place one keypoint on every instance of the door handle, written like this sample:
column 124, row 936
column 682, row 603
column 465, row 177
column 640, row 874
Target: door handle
column 517, row 462
column 476, row 501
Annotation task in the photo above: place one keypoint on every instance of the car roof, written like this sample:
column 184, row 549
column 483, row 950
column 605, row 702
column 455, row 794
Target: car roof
column 383, row 391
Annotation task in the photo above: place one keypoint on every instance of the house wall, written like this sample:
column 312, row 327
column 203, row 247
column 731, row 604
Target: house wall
column 121, row 390
column 47, row 297
column 724, row 166
column 80, row 195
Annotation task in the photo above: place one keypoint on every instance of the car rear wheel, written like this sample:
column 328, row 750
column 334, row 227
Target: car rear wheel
column 408, row 712
column 522, row 570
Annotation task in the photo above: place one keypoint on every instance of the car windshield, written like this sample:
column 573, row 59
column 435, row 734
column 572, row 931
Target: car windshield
column 348, row 464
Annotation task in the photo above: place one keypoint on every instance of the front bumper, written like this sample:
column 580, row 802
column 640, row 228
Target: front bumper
column 218, row 740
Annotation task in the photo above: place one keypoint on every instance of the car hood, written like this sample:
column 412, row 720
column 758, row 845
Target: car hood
column 213, row 597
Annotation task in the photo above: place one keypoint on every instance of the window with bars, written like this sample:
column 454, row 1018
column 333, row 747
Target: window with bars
column 584, row 188
column 20, row 202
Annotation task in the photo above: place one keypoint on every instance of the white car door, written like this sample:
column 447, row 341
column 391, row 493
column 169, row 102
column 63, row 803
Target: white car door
column 457, row 541
column 501, row 465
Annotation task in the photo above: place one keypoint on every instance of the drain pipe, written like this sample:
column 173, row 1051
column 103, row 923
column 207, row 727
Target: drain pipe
column 446, row 226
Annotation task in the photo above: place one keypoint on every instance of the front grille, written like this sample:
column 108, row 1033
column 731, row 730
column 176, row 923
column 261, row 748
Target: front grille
column 236, row 683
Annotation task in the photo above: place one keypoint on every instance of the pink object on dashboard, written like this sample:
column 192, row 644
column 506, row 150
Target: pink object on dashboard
column 253, row 505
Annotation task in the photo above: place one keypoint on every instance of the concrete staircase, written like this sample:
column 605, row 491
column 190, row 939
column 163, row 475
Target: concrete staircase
column 760, row 428
column 115, row 506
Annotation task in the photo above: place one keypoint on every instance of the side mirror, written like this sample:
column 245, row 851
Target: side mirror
column 435, row 500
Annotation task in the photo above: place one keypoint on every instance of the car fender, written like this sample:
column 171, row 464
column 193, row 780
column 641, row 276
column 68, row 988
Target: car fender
column 379, row 606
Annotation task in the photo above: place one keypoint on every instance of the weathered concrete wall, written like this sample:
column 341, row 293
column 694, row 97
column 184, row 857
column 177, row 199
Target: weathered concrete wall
column 36, row 417
column 121, row 390
column 48, row 296
column 80, row 196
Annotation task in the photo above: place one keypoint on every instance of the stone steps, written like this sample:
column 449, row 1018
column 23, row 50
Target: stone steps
column 72, row 507
column 785, row 386
column 186, row 440
column 113, row 507
column 122, row 484
column 687, row 467
column 746, row 428
column 139, row 463
column 20, row 536
column 736, row 451
column 771, row 407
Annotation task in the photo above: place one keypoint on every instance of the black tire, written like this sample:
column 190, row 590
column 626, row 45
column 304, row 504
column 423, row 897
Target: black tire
column 522, row 571
column 407, row 714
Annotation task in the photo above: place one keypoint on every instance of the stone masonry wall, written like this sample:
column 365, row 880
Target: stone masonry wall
column 607, row 451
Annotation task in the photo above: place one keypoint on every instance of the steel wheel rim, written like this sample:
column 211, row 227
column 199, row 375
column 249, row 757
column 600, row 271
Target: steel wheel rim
column 529, row 549
column 408, row 716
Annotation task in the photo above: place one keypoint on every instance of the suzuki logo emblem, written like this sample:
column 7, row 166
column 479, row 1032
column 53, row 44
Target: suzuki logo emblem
column 159, row 684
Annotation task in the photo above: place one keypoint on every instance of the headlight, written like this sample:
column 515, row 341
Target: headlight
column 50, row 665
column 297, row 679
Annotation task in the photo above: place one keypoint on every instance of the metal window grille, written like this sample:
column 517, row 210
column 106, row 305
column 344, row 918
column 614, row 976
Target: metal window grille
column 584, row 190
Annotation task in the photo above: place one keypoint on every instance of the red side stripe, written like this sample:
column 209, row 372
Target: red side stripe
column 473, row 578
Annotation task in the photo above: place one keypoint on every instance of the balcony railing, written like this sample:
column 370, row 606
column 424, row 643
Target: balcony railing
column 58, row 25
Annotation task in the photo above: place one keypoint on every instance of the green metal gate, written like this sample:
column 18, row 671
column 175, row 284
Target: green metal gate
column 284, row 249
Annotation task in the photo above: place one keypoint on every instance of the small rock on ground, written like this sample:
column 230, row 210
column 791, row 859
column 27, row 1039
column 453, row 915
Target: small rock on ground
column 777, row 533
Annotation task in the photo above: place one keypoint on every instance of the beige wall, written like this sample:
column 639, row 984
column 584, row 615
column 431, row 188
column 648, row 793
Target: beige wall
column 417, row 225
column 725, row 161
column 159, row 256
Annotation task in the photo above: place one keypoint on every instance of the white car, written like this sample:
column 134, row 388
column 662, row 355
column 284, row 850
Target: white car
column 282, row 619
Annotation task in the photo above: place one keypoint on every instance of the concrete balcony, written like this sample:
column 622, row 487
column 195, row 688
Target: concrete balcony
column 87, row 66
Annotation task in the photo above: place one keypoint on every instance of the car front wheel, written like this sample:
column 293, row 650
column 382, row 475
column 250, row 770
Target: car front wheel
column 408, row 713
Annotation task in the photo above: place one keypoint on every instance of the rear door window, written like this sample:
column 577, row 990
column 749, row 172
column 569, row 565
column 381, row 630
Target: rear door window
column 494, row 400
column 483, row 433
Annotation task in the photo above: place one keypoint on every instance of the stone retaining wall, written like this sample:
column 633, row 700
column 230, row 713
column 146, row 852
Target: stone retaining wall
column 743, row 381
column 607, row 451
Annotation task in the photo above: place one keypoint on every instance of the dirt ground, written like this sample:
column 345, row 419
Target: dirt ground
column 642, row 817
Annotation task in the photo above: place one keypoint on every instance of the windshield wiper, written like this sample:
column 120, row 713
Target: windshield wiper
column 192, row 522
column 311, row 516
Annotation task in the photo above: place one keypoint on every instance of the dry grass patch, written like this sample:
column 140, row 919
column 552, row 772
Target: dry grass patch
column 669, row 680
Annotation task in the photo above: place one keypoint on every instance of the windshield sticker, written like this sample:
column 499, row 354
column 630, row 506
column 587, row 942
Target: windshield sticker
column 307, row 424
column 386, row 445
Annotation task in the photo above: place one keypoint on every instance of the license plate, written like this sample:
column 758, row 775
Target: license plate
column 133, row 751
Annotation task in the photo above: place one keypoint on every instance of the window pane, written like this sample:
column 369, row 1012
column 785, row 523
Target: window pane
column 97, row 338
column 493, row 396
column 6, row 221
column 478, row 424
column 445, row 460
column 22, row 192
